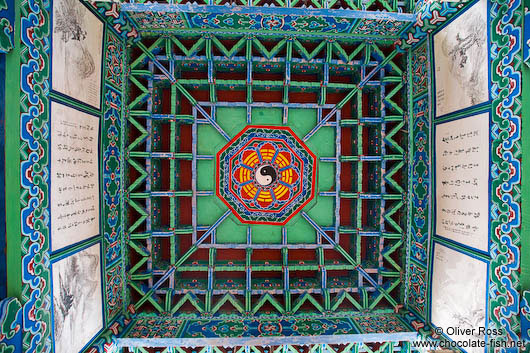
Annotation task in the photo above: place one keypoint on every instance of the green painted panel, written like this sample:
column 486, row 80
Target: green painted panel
column 322, row 143
column 209, row 140
column 208, row 211
column 231, row 120
column 302, row 120
column 267, row 116
column 231, row 231
column 206, row 176
column 266, row 234
column 326, row 176
column 299, row 231
column 323, row 211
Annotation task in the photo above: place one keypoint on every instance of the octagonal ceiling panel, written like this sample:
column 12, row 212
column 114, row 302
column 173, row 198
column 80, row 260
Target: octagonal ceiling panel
column 266, row 175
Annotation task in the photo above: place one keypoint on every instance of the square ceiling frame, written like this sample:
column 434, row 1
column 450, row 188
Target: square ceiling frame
column 155, row 284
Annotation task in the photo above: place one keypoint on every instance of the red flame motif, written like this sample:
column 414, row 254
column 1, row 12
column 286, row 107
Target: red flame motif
column 247, row 175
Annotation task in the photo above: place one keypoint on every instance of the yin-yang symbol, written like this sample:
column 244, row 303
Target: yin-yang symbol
column 265, row 175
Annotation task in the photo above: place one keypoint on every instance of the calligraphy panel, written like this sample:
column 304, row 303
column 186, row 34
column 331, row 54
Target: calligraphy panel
column 74, row 195
column 462, row 175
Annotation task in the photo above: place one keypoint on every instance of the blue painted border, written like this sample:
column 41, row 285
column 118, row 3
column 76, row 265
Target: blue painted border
column 433, row 181
column 9, row 15
column 433, row 61
column 488, row 264
column 430, row 168
column 260, row 33
column 102, row 275
column 273, row 10
column 270, row 340
column 427, row 42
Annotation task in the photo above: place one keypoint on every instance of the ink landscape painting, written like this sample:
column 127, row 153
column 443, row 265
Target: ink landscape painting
column 77, row 52
column 77, row 300
column 459, row 295
column 461, row 61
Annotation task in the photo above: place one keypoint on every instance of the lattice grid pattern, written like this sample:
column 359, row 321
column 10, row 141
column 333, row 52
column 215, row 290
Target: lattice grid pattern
column 180, row 89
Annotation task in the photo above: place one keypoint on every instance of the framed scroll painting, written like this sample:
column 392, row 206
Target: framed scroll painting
column 77, row 45
column 459, row 296
column 77, row 299
column 461, row 61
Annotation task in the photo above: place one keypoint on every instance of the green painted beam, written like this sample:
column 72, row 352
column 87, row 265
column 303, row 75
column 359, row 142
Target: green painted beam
column 525, row 182
column 12, row 166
